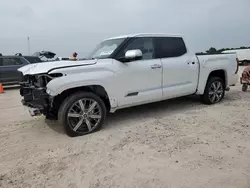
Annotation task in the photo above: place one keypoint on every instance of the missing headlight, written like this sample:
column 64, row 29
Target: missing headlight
column 56, row 75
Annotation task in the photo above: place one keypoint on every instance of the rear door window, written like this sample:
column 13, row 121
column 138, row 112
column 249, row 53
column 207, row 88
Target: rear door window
column 167, row 47
column 11, row 61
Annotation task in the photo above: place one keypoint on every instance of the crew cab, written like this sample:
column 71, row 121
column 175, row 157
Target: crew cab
column 122, row 72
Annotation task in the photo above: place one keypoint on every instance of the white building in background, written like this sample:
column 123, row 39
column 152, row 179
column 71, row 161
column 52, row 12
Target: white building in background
column 242, row 54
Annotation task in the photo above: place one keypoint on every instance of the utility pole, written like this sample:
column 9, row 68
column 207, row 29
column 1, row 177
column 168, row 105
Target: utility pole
column 28, row 38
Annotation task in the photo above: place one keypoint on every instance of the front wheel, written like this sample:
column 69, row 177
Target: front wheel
column 214, row 91
column 82, row 113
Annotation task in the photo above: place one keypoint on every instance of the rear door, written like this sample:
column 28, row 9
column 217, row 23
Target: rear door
column 180, row 68
column 9, row 68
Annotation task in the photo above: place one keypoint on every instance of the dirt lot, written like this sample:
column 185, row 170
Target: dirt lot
column 177, row 143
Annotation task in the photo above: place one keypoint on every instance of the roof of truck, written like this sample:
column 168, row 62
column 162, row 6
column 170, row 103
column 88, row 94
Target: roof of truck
column 146, row 35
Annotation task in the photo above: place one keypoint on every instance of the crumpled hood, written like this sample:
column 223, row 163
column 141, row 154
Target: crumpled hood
column 45, row 67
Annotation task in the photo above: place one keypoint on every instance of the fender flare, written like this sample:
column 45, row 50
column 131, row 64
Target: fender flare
column 54, row 87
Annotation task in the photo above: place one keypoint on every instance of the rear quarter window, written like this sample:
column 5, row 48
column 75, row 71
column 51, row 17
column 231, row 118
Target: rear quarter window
column 167, row 47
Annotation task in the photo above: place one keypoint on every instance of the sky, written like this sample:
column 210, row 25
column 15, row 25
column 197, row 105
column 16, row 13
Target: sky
column 66, row 26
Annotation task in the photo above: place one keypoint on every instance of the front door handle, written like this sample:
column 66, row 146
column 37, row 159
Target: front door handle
column 155, row 66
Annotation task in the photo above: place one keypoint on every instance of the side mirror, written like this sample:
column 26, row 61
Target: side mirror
column 133, row 55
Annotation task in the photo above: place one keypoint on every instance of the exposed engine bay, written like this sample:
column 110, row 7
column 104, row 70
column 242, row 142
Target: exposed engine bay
column 33, row 91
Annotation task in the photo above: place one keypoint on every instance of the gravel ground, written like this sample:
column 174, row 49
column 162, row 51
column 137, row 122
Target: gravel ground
column 176, row 143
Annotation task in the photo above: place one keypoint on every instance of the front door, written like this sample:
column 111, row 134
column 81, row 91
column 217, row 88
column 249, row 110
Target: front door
column 140, row 81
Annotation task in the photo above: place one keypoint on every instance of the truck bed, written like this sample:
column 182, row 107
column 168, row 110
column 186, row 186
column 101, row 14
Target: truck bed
column 224, row 62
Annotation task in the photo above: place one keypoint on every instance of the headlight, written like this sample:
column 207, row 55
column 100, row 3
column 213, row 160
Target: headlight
column 56, row 75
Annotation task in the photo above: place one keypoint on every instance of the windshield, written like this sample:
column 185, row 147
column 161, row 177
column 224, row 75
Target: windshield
column 105, row 49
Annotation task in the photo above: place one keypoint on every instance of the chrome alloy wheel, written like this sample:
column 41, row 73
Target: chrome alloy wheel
column 215, row 92
column 84, row 115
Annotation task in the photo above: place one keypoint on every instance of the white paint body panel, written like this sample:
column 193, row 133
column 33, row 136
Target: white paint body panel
column 180, row 76
column 137, row 77
column 45, row 67
column 173, row 77
column 209, row 63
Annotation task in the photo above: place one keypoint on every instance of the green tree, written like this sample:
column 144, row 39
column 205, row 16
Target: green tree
column 212, row 50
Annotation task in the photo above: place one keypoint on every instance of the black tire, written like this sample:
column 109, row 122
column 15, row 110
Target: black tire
column 206, row 99
column 69, row 102
column 244, row 87
column 244, row 63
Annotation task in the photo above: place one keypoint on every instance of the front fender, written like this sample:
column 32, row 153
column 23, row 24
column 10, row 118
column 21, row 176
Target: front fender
column 58, row 85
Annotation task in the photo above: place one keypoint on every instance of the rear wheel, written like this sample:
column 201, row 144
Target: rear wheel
column 214, row 91
column 82, row 113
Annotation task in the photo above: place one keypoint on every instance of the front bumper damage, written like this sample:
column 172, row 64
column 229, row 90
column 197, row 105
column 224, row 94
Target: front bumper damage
column 35, row 98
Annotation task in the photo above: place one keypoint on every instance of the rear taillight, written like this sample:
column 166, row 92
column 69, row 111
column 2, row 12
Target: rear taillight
column 237, row 60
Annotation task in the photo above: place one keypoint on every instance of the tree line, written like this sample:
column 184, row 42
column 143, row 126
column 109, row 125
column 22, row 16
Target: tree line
column 213, row 50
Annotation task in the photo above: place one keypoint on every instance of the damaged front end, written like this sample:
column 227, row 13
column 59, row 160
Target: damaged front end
column 33, row 91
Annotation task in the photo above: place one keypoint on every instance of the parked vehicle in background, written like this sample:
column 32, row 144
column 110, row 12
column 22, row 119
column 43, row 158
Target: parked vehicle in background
column 242, row 54
column 62, row 58
column 9, row 65
column 32, row 59
column 46, row 54
column 123, row 72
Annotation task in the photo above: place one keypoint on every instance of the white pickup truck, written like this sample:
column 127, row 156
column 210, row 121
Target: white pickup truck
column 123, row 72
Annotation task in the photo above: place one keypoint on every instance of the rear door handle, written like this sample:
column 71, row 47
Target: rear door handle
column 155, row 66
